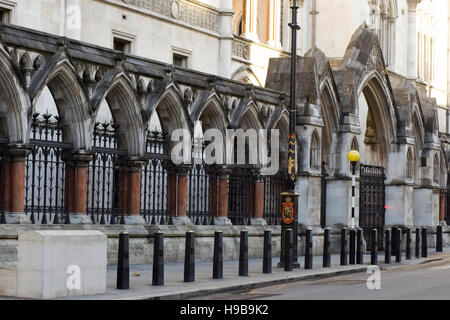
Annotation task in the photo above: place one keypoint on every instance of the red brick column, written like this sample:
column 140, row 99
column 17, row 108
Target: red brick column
column 77, row 183
column 259, row 198
column 223, row 192
column 442, row 207
column 182, row 190
column 15, row 185
column 133, row 189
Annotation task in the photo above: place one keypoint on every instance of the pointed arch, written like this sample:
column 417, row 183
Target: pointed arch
column 14, row 103
column 314, row 155
column 211, row 114
column 171, row 111
column 127, row 114
column 250, row 118
column 71, row 102
column 281, row 123
column 246, row 74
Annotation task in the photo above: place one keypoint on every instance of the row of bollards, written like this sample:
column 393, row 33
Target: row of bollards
column 392, row 244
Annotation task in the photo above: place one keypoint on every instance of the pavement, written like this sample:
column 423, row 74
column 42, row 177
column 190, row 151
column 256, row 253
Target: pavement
column 175, row 289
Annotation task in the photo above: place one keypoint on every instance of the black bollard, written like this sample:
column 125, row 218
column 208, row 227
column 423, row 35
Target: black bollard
column 398, row 245
column 439, row 239
column 393, row 241
column 189, row 257
column 374, row 253
column 408, row 244
column 359, row 246
column 218, row 255
column 289, row 250
column 267, row 259
column 352, row 246
column 424, row 243
column 158, row 259
column 243, row 254
column 418, row 243
column 326, row 248
column 308, row 249
column 123, row 264
column 344, row 237
column 387, row 246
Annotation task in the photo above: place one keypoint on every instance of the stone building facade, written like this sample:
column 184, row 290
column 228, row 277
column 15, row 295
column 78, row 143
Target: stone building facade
column 110, row 70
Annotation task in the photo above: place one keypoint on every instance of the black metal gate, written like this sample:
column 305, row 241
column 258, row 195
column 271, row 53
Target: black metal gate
column 3, row 160
column 106, row 177
column 273, row 186
column 201, row 193
column 156, row 177
column 241, row 195
column 46, row 178
column 372, row 202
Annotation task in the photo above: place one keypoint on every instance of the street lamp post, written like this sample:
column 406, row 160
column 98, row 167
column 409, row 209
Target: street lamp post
column 354, row 157
column 289, row 199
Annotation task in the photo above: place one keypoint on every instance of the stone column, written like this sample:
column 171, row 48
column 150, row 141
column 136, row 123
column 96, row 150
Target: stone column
column 15, row 185
column 412, row 40
column 226, row 38
column 222, row 219
column 258, row 219
column 132, row 194
column 180, row 217
column 274, row 23
column 76, row 188
column 250, row 20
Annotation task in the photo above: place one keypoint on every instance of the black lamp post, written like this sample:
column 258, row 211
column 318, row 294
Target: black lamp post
column 289, row 199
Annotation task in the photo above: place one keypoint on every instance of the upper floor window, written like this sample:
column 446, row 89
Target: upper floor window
column 180, row 60
column 5, row 15
column 122, row 45
column 383, row 15
column 426, row 66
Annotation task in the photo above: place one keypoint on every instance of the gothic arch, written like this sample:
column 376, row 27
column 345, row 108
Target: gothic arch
column 211, row 114
column 281, row 123
column 171, row 111
column 71, row 102
column 14, row 103
column 330, row 116
column 126, row 113
column 246, row 74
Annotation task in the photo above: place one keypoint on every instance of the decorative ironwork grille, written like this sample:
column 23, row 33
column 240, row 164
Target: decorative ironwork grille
column 3, row 159
column 156, row 179
column 46, row 178
column 241, row 195
column 372, row 202
column 202, row 191
column 106, row 177
column 273, row 187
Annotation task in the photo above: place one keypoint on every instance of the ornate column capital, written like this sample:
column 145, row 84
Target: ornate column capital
column 81, row 159
column 412, row 5
column 18, row 152
column 135, row 164
column 183, row 169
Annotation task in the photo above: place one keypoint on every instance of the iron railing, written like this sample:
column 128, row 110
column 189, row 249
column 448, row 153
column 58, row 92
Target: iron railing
column 273, row 186
column 202, row 193
column 106, row 177
column 46, row 178
column 372, row 202
column 3, row 159
column 241, row 195
column 157, row 181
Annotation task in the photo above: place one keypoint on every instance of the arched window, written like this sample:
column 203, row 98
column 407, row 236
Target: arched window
column 315, row 151
column 354, row 145
column 409, row 165
column 383, row 14
column 436, row 169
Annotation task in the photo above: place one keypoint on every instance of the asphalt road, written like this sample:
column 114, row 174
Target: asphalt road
column 426, row 281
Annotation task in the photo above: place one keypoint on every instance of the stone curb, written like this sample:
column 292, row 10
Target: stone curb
column 247, row 284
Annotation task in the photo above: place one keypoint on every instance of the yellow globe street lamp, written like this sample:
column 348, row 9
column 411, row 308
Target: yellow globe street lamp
column 354, row 157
